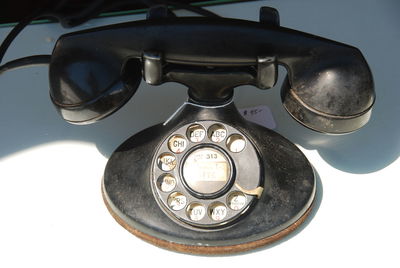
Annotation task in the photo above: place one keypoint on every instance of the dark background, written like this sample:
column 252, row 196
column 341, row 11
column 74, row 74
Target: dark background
column 14, row 11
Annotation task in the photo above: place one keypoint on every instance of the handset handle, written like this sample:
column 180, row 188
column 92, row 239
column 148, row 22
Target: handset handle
column 213, row 55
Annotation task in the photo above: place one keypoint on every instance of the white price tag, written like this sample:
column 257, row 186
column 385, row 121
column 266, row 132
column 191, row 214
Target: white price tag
column 261, row 115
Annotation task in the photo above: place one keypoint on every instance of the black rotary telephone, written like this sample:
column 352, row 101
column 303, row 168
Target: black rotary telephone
column 206, row 180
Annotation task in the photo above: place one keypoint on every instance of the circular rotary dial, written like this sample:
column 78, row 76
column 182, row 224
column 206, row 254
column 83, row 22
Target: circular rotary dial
column 206, row 174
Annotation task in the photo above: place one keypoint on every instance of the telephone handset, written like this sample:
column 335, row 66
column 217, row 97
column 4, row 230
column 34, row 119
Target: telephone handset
column 206, row 180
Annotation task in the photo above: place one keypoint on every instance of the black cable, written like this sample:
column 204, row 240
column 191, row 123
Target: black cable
column 195, row 9
column 79, row 17
column 69, row 21
column 14, row 33
column 150, row 3
column 25, row 62
column 97, row 7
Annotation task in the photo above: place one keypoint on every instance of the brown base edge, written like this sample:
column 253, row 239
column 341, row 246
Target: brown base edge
column 208, row 250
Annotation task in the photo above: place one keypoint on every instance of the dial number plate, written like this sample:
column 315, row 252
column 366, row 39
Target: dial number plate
column 206, row 170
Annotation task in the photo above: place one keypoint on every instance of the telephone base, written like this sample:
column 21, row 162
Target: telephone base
column 287, row 181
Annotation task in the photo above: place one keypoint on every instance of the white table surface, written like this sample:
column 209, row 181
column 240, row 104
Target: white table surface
column 51, row 209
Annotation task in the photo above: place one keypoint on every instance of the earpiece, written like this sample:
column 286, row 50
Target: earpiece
column 327, row 92
column 88, row 85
